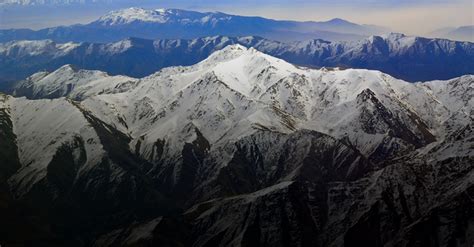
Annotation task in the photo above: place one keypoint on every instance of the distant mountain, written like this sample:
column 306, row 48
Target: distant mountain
column 184, row 24
column 241, row 149
column 48, row 2
column 465, row 33
column 409, row 58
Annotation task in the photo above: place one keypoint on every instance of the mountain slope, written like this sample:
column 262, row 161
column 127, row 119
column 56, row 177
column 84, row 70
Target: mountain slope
column 179, row 24
column 68, row 81
column 393, row 54
column 73, row 169
column 246, row 148
column 371, row 101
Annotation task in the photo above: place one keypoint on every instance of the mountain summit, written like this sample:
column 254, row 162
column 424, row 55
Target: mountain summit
column 130, row 15
column 126, row 16
column 219, row 151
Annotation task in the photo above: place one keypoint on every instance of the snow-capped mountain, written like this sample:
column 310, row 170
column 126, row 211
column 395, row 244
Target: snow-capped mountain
column 394, row 54
column 71, row 82
column 243, row 148
column 48, row 2
column 215, row 19
column 183, row 17
column 179, row 24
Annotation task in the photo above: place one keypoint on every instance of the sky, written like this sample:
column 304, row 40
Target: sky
column 415, row 17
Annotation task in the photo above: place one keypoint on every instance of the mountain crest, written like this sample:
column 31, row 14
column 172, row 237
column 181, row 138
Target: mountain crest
column 159, row 16
column 340, row 21
column 126, row 16
column 228, row 53
column 268, row 147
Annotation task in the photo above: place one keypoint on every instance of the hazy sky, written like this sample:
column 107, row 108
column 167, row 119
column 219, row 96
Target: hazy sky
column 411, row 17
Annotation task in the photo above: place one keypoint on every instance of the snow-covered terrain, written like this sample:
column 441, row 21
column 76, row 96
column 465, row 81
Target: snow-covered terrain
column 130, row 15
column 247, row 148
column 395, row 54
column 76, row 84
column 42, row 128
column 335, row 102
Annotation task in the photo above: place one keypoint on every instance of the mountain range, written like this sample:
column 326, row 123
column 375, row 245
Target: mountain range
column 184, row 24
column 465, row 33
column 48, row 2
column 409, row 58
column 240, row 149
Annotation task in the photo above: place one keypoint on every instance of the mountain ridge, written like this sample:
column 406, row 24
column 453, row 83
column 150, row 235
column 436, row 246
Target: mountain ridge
column 465, row 33
column 393, row 54
column 220, row 150
column 175, row 23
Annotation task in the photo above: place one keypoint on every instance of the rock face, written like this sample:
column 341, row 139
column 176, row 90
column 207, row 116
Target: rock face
column 408, row 58
column 241, row 149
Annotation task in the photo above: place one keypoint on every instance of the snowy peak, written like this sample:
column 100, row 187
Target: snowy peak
column 72, row 82
column 243, row 125
column 229, row 52
column 394, row 36
column 369, row 108
column 247, row 70
column 402, row 41
column 30, row 48
column 399, row 40
column 124, row 45
column 178, row 16
column 50, row 2
column 126, row 16
column 236, row 51
column 159, row 16
column 394, row 54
